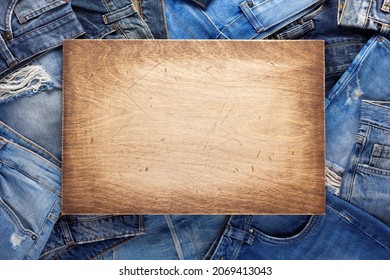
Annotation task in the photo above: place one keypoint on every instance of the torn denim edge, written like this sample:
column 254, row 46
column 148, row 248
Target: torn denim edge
column 26, row 81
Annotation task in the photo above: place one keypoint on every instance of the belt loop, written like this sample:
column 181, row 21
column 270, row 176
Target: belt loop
column 66, row 232
column 6, row 54
column 119, row 14
column 246, row 8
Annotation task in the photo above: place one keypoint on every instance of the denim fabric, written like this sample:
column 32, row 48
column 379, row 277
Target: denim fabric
column 357, row 150
column 37, row 116
column 175, row 237
column 30, row 181
column 202, row 3
column 30, row 28
column 341, row 44
column 84, row 237
column 232, row 19
column 345, row 232
column 365, row 14
column 119, row 19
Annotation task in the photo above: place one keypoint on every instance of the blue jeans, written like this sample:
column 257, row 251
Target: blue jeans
column 357, row 131
column 341, row 44
column 120, row 20
column 170, row 237
column 345, row 232
column 365, row 14
column 30, row 195
column 232, row 19
column 30, row 28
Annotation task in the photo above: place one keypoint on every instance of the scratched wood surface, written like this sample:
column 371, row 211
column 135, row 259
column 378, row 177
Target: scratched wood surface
column 193, row 127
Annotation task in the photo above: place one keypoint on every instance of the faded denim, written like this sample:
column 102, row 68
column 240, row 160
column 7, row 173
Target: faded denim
column 86, row 237
column 341, row 44
column 357, row 131
column 30, row 28
column 232, row 19
column 30, row 195
column 170, row 237
column 365, row 14
column 345, row 232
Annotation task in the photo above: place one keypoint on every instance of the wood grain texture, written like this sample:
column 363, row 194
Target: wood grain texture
column 193, row 127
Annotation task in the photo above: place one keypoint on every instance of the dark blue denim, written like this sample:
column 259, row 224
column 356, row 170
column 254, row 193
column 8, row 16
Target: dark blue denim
column 119, row 19
column 345, row 232
column 341, row 44
column 30, row 28
column 365, row 14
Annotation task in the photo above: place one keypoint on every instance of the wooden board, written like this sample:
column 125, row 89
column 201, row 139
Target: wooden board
column 193, row 127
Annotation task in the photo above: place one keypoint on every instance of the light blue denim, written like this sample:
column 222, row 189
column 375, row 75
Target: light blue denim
column 357, row 132
column 365, row 14
column 232, row 19
column 344, row 232
column 31, row 28
column 30, row 195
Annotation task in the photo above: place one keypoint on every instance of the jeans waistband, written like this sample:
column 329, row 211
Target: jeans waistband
column 263, row 18
column 70, row 231
column 376, row 113
column 31, row 28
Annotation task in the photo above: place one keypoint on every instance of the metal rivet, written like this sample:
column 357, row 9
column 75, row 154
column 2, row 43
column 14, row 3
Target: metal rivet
column 33, row 237
column 250, row 230
column 221, row 258
column 380, row 39
column 8, row 35
column 115, row 26
column 250, row 4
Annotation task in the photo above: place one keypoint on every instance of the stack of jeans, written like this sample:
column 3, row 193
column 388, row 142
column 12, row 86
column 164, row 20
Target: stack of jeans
column 357, row 53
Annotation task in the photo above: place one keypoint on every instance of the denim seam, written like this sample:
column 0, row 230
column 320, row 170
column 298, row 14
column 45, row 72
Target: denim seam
column 217, row 240
column 378, row 21
column 8, row 15
column 213, row 24
column 183, row 24
column 175, row 239
column 312, row 223
column 318, row 11
column 112, row 248
column 200, row 4
column 34, row 154
column 70, row 221
column 367, row 122
column 355, row 66
column 15, row 219
column 86, row 241
column 38, row 30
column 164, row 18
column 373, row 170
column 29, row 142
column 355, row 163
column 32, row 178
column 349, row 220
column 48, row 48
column 367, row 14
column 42, row 10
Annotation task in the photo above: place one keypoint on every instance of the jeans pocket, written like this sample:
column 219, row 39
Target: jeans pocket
column 26, row 10
column 380, row 157
column 16, row 240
